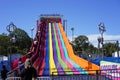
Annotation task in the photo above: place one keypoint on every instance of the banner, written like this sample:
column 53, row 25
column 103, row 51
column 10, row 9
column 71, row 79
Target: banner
column 110, row 69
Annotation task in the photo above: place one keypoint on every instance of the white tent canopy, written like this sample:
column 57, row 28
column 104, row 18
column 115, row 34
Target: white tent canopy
column 2, row 58
column 115, row 54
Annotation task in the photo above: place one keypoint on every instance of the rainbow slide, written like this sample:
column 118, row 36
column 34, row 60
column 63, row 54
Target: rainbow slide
column 54, row 54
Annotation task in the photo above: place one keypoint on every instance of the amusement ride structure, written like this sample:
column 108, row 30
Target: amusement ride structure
column 51, row 52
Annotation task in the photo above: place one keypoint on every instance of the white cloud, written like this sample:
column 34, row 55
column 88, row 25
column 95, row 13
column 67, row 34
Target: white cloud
column 93, row 38
column 112, row 37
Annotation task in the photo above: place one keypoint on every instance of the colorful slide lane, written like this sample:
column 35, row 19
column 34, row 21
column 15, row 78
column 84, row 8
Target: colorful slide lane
column 46, row 67
column 51, row 61
column 66, row 54
column 70, row 65
column 58, row 65
column 57, row 56
column 64, row 66
column 84, row 64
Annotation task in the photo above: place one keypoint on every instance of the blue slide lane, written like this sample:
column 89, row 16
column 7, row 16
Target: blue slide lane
column 58, row 65
column 66, row 54
column 46, row 68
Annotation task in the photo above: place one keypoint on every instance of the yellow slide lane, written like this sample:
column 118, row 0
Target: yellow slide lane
column 81, row 62
column 51, row 61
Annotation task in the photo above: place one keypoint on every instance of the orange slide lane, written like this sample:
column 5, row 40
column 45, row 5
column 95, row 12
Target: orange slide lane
column 81, row 62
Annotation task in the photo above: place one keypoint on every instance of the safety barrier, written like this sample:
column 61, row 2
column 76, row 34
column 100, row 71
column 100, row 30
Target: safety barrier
column 44, row 78
column 113, row 74
column 13, row 78
column 38, row 78
column 72, row 77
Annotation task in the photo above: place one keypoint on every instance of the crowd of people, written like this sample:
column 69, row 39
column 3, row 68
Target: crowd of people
column 27, row 73
column 4, row 72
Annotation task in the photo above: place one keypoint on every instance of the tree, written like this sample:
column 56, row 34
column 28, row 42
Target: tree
column 4, row 43
column 23, row 42
column 80, row 42
column 109, row 48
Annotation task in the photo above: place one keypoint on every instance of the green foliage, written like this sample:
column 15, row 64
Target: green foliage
column 81, row 40
column 23, row 40
column 4, row 43
column 81, row 44
column 22, row 44
column 109, row 48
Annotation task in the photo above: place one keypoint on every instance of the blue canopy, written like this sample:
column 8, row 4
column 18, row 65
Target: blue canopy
column 110, row 59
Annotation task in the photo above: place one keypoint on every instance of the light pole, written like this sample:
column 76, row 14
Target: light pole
column 72, row 33
column 99, row 41
column 102, row 29
column 32, row 28
column 11, row 29
column 65, row 25
column 117, row 45
column 39, row 32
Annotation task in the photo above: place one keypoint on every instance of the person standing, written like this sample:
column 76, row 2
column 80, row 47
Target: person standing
column 4, row 72
column 20, row 62
column 20, row 66
column 29, row 72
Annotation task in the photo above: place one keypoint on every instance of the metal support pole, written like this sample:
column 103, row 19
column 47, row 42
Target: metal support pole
column 32, row 32
column 65, row 26
column 10, row 54
column 117, row 43
column 72, row 33
column 99, row 41
column 11, row 29
column 102, row 29
column 102, row 45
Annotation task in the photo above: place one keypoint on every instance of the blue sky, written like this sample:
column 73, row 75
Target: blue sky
column 83, row 15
